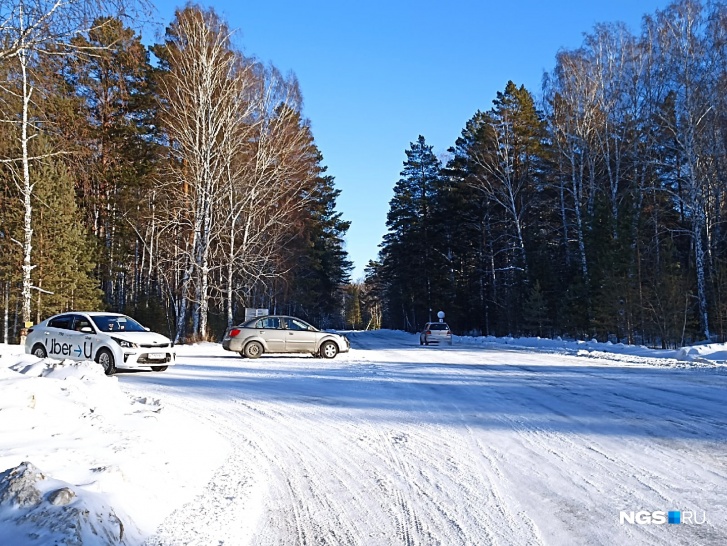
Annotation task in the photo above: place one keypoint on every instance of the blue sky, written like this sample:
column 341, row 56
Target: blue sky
column 377, row 74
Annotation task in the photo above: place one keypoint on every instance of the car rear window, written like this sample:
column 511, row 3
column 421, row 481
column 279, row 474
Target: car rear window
column 438, row 326
column 269, row 323
column 63, row 322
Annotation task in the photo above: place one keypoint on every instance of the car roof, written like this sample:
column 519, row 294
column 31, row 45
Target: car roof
column 89, row 313
column 92, row 313
column 273, row 316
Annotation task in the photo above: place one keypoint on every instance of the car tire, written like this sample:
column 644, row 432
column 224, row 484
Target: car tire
column 159, row 368
column 329, row 349
column 39, row 351
column 253, row 349
column 106, row 359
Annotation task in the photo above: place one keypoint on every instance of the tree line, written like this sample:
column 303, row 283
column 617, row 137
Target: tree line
column 179, row 183
column 596, row 211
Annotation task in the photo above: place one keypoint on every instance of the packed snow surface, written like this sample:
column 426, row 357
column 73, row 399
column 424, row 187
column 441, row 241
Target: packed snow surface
column 489, row 441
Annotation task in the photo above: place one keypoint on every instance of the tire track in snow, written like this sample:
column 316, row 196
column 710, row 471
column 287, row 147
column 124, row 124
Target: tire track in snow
column 475, row 453
column 225, row 506
column 572, row 451
column 314, row 517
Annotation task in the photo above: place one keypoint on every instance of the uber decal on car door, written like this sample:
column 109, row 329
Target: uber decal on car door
column 62, row 342
column 82, row 342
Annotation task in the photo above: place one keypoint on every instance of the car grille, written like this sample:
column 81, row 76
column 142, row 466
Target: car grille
column 160, row 346
column 144, row 359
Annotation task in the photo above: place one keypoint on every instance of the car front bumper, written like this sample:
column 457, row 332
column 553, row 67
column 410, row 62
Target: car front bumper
column 145, row 358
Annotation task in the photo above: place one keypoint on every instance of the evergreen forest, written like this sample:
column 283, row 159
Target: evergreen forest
column 180, row 183
column 595, row 209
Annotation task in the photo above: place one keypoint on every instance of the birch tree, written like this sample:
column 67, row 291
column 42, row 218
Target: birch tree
column 677, row 38
column 276, row 192
column 267, row 184
column 571, row 100
column 30, row 30
column 506, row 157
column 197, row 95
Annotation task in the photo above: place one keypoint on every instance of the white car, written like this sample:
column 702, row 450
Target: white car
column 111, row 339
column 435, row 332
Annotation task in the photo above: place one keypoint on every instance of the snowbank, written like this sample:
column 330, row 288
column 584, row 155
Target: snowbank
column 699, row 356
column 82, row 462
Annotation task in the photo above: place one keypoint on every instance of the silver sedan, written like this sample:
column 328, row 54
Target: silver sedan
column 282, row 334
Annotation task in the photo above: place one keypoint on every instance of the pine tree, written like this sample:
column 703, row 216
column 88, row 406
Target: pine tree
column 323, row 265
column 413, row 261
column 372, row 295
column 498, row 168
column 65, row 251
column 536, row 315
column 115, row 153
column 353, row 307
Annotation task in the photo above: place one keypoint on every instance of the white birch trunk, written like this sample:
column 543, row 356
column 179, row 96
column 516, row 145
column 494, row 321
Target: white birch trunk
column 27, row 193
column 6, row 313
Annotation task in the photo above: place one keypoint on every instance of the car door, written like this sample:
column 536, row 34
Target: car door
column 62, row 341
column 271, row 330
column 300, row 338
column 86, row 336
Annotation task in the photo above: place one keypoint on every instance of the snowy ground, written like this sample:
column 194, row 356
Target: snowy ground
column 491, row 441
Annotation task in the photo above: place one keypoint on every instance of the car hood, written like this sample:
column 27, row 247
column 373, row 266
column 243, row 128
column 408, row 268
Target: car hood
column 141, row 338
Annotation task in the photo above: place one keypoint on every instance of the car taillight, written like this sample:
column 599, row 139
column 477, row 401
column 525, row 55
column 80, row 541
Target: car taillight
column 234, row 332
column 449, row 333
column 428, row 333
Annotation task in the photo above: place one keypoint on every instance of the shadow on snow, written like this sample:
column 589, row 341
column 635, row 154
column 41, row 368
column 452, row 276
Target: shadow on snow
column 568, row 397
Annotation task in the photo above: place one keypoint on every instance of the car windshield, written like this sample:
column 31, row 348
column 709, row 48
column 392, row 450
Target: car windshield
column 438, row 326
column 117, row 323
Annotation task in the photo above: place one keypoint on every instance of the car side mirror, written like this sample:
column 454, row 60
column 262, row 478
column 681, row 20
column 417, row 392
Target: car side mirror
column 87, row 330
column 147, row 329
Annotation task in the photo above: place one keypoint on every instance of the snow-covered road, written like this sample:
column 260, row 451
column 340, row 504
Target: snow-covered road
column 397, row 444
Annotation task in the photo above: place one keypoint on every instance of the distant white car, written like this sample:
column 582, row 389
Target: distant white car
column 435, row 332
column 111, row 339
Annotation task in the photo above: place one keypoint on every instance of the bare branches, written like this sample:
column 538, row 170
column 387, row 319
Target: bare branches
column 241, row 164
column 41, row 25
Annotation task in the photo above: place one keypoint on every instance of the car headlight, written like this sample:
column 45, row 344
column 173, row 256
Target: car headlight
column 124, row 343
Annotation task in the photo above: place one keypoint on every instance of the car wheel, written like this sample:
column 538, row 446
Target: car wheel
column 106, row 359
column 159, row 368
column 253, row 349
column 329, row 349
column 421, row 342
column 39, row 351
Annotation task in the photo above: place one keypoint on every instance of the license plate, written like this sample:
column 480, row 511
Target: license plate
column 157, row 356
